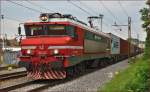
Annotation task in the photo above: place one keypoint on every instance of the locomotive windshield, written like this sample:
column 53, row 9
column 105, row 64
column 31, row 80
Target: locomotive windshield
column 50, row 30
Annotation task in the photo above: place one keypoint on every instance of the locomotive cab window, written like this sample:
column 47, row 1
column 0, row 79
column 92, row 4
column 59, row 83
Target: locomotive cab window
column 56, row 30
column 34, row 30
column 51, row 30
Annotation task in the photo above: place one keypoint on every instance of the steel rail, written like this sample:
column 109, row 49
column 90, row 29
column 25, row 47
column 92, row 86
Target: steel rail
column 12, row 75
column 16, row 86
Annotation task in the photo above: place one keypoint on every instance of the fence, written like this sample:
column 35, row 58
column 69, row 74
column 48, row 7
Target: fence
column 10, row 56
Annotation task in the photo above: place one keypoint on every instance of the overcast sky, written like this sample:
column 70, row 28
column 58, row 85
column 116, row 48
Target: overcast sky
column 113, row 11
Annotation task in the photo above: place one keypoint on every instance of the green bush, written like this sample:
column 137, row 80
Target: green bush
column 133, row 79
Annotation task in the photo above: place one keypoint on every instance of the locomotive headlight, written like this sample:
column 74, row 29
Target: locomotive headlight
column 29, row 51
column 44, row 18
column 56, row 51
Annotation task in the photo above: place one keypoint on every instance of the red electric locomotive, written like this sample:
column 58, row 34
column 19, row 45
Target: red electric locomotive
column 60, row 45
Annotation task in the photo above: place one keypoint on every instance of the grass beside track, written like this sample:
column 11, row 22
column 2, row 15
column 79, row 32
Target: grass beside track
column 134, row 79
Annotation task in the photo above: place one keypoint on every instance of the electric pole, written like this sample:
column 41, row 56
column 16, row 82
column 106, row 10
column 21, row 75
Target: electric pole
column 129, row 35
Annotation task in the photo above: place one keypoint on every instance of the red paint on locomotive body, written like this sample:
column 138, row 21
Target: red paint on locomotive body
column 38, row 50
column 66, row 45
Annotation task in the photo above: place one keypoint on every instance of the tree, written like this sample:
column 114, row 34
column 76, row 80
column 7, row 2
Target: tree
column 146, row 25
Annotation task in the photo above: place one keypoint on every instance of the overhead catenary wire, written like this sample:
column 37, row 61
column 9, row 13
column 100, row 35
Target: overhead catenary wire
column 123, row 8
column 29, row 8
column 95, row 13
column 86, row 6
column 32, row 3
column 83, row 4
column 88, row 13
column 9, row 18
column 105, row 23
column 16, row 19
column 92, row 11
column 109, row 11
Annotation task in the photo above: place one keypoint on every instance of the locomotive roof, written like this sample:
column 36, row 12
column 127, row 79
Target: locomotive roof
column 72, row 22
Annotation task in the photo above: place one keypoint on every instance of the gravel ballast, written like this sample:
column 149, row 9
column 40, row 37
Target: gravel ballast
column 86, row 83
column 92, row 81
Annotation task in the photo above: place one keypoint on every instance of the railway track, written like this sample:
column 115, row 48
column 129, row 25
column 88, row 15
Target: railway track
column 16, row 86
column 52, row 83
column 46, row 83
column 5, row 67
column 12, row 75
column 80, row 77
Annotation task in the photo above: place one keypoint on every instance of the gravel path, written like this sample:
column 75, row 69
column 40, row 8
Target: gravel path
column 90, row 82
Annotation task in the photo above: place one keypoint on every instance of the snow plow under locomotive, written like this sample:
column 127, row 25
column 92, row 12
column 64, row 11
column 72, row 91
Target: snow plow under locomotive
column 61, row 46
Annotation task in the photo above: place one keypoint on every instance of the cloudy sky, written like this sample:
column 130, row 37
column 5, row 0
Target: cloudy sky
column 113, row 10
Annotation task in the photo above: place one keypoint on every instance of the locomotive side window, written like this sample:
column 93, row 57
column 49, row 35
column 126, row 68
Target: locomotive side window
column 71, row 31
column 92, row 36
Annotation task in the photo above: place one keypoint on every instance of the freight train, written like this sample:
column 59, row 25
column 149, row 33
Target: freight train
column 60, row 45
